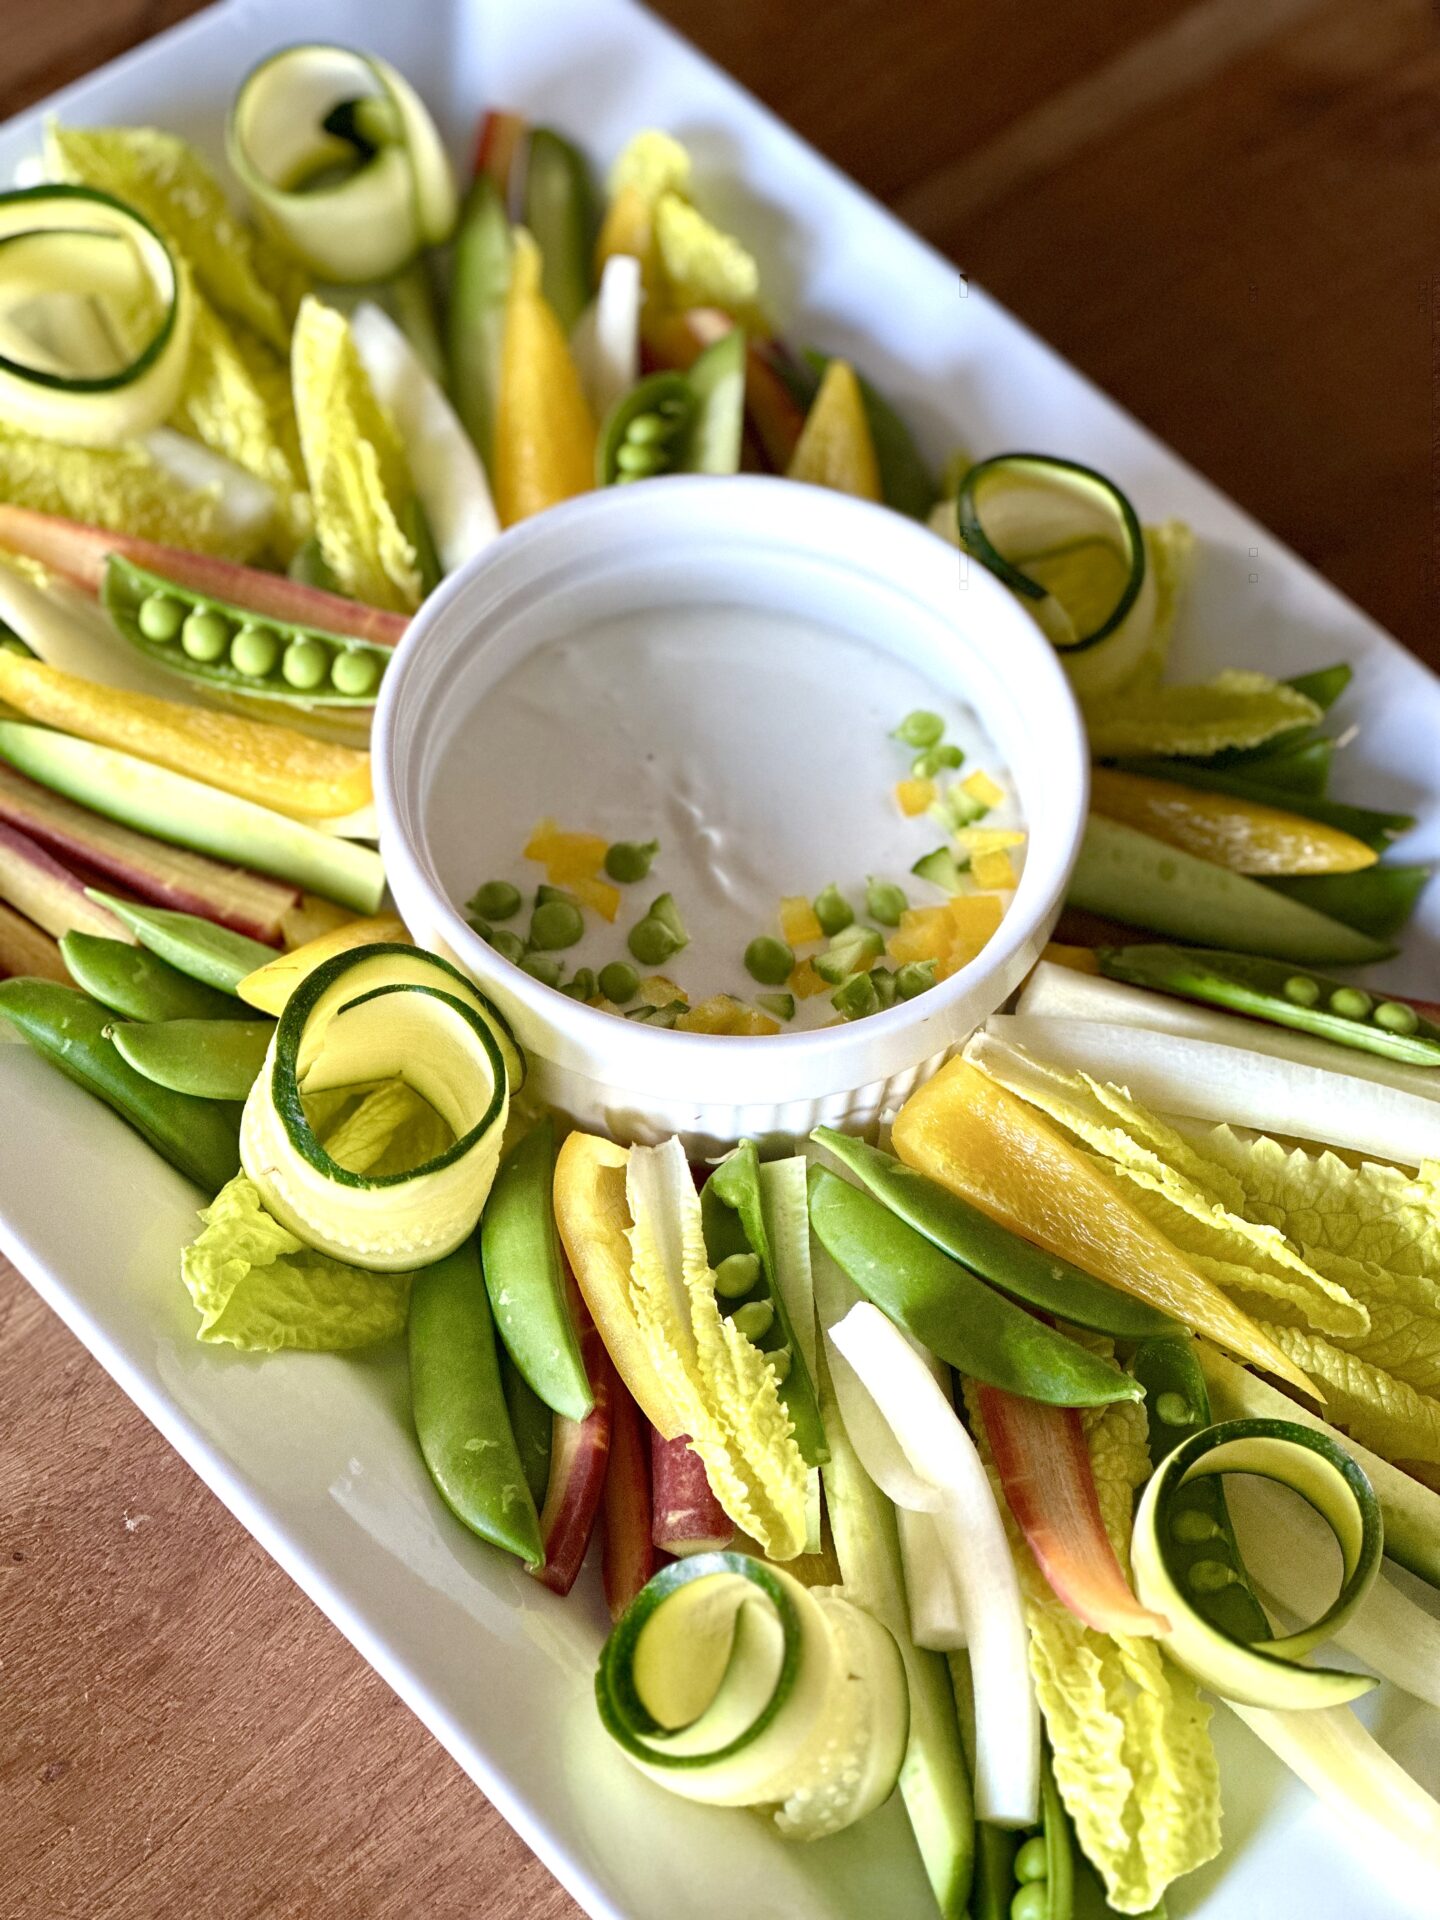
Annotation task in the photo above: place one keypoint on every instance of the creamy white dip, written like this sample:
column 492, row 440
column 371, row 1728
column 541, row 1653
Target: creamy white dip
column 753, row 746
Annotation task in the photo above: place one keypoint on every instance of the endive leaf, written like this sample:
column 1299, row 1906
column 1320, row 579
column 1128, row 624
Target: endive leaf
column 1235, row 709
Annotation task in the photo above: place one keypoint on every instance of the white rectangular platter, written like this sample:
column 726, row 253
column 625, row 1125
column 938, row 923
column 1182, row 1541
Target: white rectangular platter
column 314, row 1453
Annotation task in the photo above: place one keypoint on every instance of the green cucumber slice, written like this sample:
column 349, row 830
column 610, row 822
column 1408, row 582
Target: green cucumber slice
column 1128, row 876
column 1263, row 1673
column 187, row 813
column 381, row 1012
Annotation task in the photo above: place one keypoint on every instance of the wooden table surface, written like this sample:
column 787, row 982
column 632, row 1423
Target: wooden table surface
column 1226, row 212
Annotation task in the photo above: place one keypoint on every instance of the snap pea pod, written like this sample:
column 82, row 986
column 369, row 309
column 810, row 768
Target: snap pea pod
column 1283, row 996
column 559, row 211
column 138, row 985
column 1177, row 1404
column 212, row 955
column 475, row 312
column 948, row 1309
column 1024, row 1272
column 689, row 422
column 533, row 1426
column 459, row 1407
column 219, row 644
column 212, row 1059
column 201, row 1138
column 525, row 1276
column 1375, row 900
column 733, row 1218
column 1296, row 762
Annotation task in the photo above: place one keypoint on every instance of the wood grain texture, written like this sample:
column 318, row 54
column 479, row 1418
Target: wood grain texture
column 1225, row 211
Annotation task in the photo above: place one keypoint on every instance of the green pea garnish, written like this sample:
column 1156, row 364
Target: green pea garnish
column 305, row 665
column 1393, row 1016
column 254, row 652
column 934, row 760
column 769, row 960
column 508, row 945
column 619, row 982
column 354, row 672
column 652, row 941
column 920, row 728
column 496, row 900
column 630, row 860
column 556, row 923
column 833, row 911
column 543, row 967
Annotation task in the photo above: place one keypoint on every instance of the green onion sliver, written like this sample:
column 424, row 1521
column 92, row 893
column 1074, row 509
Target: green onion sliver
column 731, row 1684
column 382, row 1012
column 65, row 372
column 341, row 161
column 1263, row 1673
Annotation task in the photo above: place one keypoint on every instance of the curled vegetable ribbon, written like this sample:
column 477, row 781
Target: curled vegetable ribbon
column 80, row 275
column 382, row 1012
column 1259, row 1673
column 341, row 161
column 728, row 1682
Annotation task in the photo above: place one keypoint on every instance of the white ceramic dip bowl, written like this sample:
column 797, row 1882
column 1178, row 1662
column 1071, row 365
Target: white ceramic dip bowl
column 762, row 550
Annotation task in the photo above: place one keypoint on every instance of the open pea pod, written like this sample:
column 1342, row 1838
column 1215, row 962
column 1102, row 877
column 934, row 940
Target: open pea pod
column 220, row 644
column 689, row 422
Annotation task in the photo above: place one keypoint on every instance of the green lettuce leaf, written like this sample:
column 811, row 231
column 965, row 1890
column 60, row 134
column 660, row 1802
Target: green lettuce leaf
column 119, row 488
column 718, row 1381
column 359, row 479
column 1236, row 709
column 255, row 1286
column 165, row 179
column 1128, row 1730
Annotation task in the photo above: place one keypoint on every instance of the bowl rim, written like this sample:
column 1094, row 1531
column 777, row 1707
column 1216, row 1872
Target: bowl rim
column 1030, row 658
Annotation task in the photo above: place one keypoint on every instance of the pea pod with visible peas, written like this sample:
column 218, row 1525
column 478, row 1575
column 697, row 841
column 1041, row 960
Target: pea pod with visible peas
column 221, row 645
column 525, row 1276
column 138, row 985
column 949, row 1309
column 459, row 1405
column 688, row 422
column 73, row 1032
column 212, row 1059
column 982, row 1245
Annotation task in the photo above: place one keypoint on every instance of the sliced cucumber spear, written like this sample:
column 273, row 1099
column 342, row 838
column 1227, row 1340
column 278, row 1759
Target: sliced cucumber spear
column 1270, row 990
column 1128, row 876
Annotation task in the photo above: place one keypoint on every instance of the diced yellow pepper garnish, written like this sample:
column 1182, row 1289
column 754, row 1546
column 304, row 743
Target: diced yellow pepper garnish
column 914, row 796
column 798, row 925
column 542, row 840
column 1078, row 959
column 598, row 895
column 975, row 840
column 574, row 856
column 924, row 933
column 751, row 1020
column 657, row 991
column 974, row 918
column 805, row 982
column 718, row 1014
column 993, row 869
column 979, row 786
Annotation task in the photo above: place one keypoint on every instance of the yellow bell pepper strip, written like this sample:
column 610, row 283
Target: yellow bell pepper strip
column 836, row 449
column 1239, row 834
column 272, row 765
column 270, row 987
column 986, row 1145
column 593, row 1215
column 544, row 434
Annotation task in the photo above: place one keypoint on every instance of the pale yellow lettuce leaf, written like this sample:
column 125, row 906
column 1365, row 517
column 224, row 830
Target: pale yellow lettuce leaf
column 236, row 399
column 722, row 1389
column 1128, row 1730
column 255, row 1286
column 390, row 1130
column 653, row 163
column 1236, row 709
column 1383, row 1413
column 1170, row 554
column 1195, row 1203
column 703, row 266
column 360, row 482
column 167, row 181
column 120, row 488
